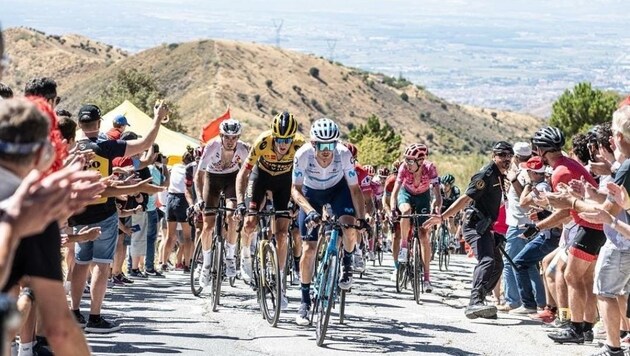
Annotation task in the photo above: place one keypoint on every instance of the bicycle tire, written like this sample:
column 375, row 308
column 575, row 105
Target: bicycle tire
column 270, row 284
column 326, row 296
column 195, row 269
column 237, row 259
column 401, row 277
column 342, row 307
column 217, row 273
column 441, row 251
column 417, row 272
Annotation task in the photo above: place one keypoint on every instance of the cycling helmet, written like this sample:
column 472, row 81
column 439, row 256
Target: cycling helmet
column 352, row 148
column 502, row 147
column 448, row 179
column 383, row 172
column 284, row 125
column 369, row 170
column 324, row 130
column 395, row 166
column 230, row 127
column 416, row 150
column 548, row 139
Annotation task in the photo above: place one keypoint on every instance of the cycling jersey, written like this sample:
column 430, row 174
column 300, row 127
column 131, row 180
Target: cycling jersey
column 429, row 177
column 365, row 182
column 263, row 155
column 377, row 188
column 211, row 160
column 448, row 201
column 389, row 184
column 308, row 172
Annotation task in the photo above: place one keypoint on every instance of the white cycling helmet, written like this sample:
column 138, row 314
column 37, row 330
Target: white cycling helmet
column 230, row 127
column 324, row 130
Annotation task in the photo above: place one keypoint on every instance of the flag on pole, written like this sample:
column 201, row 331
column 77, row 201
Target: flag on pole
column 211, row 130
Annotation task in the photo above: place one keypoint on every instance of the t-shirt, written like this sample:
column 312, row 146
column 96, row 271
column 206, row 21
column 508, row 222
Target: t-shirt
column 178, row 182
column 429, row 177
column 157, row 179
column 263, row 155
column 486, row 189
column 566, row 169
column 308, row 172
column 514, row 214
column 211, row 161
column 104, row 154
column 114, row 134
column 622, row 178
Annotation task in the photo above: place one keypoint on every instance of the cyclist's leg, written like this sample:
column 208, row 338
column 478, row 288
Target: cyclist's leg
column 404, row 205
column 281, row 190
column 254, row 198
column 229, row 189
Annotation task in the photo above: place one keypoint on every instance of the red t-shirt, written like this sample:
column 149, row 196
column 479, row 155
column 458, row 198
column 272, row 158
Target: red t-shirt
column 114, row 134
column 122, row 162
column 566, row 169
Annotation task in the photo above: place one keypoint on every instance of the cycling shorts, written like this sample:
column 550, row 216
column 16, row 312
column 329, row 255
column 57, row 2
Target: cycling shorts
column 586, row 243
column 214, row 184
column 260, row 182
column 420, row 204
column 338, row 197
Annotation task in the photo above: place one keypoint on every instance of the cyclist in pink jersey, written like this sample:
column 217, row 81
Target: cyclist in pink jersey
column 411, row 195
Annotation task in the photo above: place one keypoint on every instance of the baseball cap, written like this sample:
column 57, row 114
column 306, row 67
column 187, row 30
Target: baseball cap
column 89, row 113
column 121, row 120
column 522, row 149
column 534, row 164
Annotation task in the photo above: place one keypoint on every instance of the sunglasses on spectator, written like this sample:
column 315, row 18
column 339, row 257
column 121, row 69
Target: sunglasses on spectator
column 325, row 146
column 281, row 141
column 505, row 155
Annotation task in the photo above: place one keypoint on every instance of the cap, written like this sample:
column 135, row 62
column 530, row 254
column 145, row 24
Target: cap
column 129, row 135
column 121, row 120
column 89, row 113
column 522, row 149
column 534, row 164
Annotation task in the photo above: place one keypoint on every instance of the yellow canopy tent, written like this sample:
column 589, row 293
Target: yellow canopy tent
column 172, row 144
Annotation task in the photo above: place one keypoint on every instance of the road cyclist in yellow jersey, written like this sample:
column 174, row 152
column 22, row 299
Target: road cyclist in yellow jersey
column 268, row 167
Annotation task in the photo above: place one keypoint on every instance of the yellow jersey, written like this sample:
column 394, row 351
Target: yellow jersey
column 263, row 155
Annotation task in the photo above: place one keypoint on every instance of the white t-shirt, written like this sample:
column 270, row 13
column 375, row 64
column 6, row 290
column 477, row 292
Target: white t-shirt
column 178, row 179
column 515, row 215
column 308, row 172
column 211, row 158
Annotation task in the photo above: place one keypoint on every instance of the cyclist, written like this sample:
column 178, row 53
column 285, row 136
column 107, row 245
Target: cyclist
column 394, row 224
column 450, row 192
column 268, row 168
column 216, row 173
column 416, row 175
column 323, row 173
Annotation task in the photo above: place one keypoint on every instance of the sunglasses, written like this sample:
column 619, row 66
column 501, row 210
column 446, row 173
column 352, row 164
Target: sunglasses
column 505, row 155
column 414, row 161
column 325, row 146
column 281, row 141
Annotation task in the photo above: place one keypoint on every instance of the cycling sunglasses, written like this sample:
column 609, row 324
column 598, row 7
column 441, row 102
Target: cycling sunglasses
column 325, row 146
column 414, row 161
column 279, row 140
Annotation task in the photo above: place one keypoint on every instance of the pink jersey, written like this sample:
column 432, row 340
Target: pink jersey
column 429, row 177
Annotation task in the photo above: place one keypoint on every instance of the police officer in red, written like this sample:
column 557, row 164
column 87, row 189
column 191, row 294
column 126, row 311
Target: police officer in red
column 484, row 196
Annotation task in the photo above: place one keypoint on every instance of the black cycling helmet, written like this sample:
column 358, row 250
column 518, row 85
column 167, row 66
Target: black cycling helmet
column 548, row 139
column 502, row 147
column 448, row 179
column 284, row 125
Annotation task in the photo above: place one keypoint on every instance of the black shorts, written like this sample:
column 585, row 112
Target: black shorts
column 214, row 184
column 260, row 182
column 176, row 207
column 586, row 243
column 37, row 256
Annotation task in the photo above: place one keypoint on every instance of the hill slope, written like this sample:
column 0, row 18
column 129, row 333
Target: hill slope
column 205, row 77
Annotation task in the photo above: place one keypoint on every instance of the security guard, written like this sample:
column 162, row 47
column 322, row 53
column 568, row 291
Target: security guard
column 486, row 192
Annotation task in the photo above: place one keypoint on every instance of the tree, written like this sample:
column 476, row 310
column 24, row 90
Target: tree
column 378, row 144
column 582, row 107
column 314, row 72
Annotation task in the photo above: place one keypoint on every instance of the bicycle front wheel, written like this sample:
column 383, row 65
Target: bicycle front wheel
column 270, row 284
column 417, row 271
column 217, row 273
column 195, row 270
column 326, row 294
column 401, row 277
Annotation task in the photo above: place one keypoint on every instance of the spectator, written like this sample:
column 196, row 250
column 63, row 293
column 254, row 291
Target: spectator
column 5, row 91
column 158, row 178
column 45, row 88
column 120, row 124
column 64, row 113
column 68, row 129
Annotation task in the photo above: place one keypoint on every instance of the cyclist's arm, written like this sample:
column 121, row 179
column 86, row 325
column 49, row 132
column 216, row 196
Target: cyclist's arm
column 241, row 183
column 385, row 201
column 357, row 200
column 393, row 197
column 458, row 205
column 437, row 202
column 300, row 199
column 369, row 202
column 199, row 182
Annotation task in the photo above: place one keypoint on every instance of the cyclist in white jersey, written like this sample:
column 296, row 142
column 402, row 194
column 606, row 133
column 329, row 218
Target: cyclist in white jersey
column 218, row 167
column 323, row 173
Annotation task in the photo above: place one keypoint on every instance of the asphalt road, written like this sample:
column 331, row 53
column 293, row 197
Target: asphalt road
column 161, row 316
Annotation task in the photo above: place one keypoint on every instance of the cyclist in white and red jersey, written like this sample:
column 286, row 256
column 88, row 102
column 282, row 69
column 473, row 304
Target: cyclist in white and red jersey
column 219, row 164
column 416, row 175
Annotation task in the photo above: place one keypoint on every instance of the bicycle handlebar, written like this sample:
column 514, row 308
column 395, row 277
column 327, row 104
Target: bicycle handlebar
column 282, row 213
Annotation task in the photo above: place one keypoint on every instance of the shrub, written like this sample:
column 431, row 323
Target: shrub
column 314, row 72
column 404, row 96
column 268, row 83
column 257, row 97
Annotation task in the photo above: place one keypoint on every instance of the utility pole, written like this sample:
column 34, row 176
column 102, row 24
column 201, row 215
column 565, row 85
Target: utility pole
column 277, row 23
column 332, row 43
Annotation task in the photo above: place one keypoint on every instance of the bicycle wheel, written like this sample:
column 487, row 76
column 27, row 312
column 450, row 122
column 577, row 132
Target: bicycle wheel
column 342, row 307
column 237, row 259
column 217, row 273
column 327, row 285
column 440, row 247
column 270, row 284
column 401, row 277
column 417, row 272
column 195, row 269
column 379, row 251
column 434, row 242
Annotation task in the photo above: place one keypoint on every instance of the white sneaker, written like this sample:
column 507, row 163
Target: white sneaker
column 230, row 268
column 371, row 256
column 402, row 255
column 359, row 265
column 204, row 280
column 246, row 268
column 284, row 302
column 428, row 287
column 302, row 317
column 522, row 310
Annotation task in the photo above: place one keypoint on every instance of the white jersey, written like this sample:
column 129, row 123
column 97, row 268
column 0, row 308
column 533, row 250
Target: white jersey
column 211, row 158
column 308, row 172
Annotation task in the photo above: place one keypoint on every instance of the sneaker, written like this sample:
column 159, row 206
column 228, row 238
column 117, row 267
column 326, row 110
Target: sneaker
column 555, row 325
column 359, row 265
column 204, row 280
column 186, row 269
column 179, row 266
column 567, row 336
column 606, row 351
column 427, row 286
column 101, row 326
column 480, row 311
column 625, row 341
column 371, row 256
column 523, row 310
column 124, row 279
column 137, row 273
column 246, row 268
column 87, row 291
column 41, row 347
column 153, row 273
column 164, row 268
column 116, row 281
column 346, row 279
column 402, row 255
column 546, row 315
column 80, row 319
column 302, row 317
column 230, row 268
column 505, row 308
column 284, row 302
column 589, row 336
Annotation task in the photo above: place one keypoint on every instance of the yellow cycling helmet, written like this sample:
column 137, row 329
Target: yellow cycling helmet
column 284, row 125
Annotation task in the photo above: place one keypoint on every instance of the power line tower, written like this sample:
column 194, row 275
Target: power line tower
column 332, row 43
column 277, row 23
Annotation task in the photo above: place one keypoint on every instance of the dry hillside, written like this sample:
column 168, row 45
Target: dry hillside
column 205, row 77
